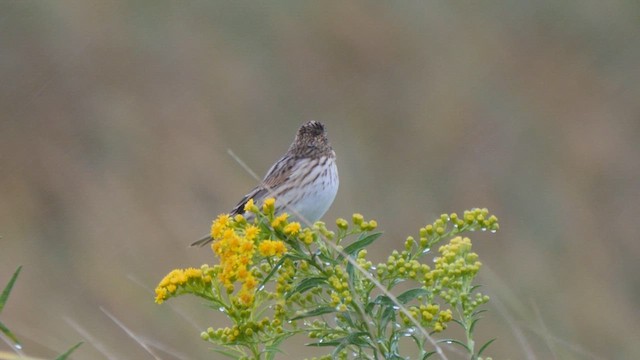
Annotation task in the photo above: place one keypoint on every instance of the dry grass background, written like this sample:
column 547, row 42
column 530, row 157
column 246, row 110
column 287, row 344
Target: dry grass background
column 116, row 118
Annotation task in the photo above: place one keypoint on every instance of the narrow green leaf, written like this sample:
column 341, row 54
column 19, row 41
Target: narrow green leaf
column 361, row 243
column 473, row 325
column 316, row 312
column 66, row 354
column 346, row 319
column 454, row 341
column 428, row 355
column 326, row 259
column 383, row 300
column 277, row 266
column 484, row 347
column 233, row 355
column 389, row 314
column 307, row 284
column 8, row 333
column 351, row 276
column 409, row 295
column 356, row 339
column 478, row 312
column 272, row 350
column 7, row 290
column 324, row 343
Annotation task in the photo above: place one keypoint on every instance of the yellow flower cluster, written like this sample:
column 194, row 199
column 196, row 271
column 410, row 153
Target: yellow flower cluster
column 238, row 242
column 456, row 259
column 179, row 278
column 429, row 315
column 292, row 228
column 272, row 248
column 279, row 221
column 454, row 271
column 235, row 247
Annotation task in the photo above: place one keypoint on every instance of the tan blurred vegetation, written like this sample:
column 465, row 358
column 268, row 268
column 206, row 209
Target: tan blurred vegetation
column 116, row 119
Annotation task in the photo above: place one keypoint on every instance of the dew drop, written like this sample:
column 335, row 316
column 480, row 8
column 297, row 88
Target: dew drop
column 18, row 346
column 449, row 342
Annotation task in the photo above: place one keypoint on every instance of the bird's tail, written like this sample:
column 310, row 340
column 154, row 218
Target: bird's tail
column 202, row 242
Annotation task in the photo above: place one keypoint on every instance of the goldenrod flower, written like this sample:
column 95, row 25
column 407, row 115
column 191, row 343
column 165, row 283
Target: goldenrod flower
column 219, row 225
column 178, row 278
column 268, row 206
column 279, row 221
column 251, row 232
column 292, row 228
column 272, row 248
column 250, row 206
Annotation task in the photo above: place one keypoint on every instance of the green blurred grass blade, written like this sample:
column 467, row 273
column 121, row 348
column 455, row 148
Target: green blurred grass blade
column 8, row 333
column 66, row 354
column 3, row 300
column 7, row 289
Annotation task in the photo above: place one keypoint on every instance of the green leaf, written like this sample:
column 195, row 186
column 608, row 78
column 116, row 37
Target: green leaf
column 3, row 300
column 428, row 355
column 473, row 325
column 277, row 266
column 409, row 295
column 324, row 343
column 307, row 284
column 273, row 349
column 344, row 320
column 361, row 243
column 234, row 355
column 8, row 333
column 389, row 314
column 326, row 259
column 356, row 339
column 478, row 312
column 7, row 290
column 484, row 347
column 454, row 341
column 351, row 276
column 382, row 300
column 315, row 312
column 66, row 354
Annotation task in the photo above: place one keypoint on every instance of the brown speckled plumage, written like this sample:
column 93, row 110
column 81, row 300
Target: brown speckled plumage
column 304, row 181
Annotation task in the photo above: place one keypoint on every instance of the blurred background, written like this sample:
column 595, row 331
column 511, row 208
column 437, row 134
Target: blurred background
column 116, row 119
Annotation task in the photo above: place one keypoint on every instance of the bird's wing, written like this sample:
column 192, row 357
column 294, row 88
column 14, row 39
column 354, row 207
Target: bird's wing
column 257, row 193
column 279, row 173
